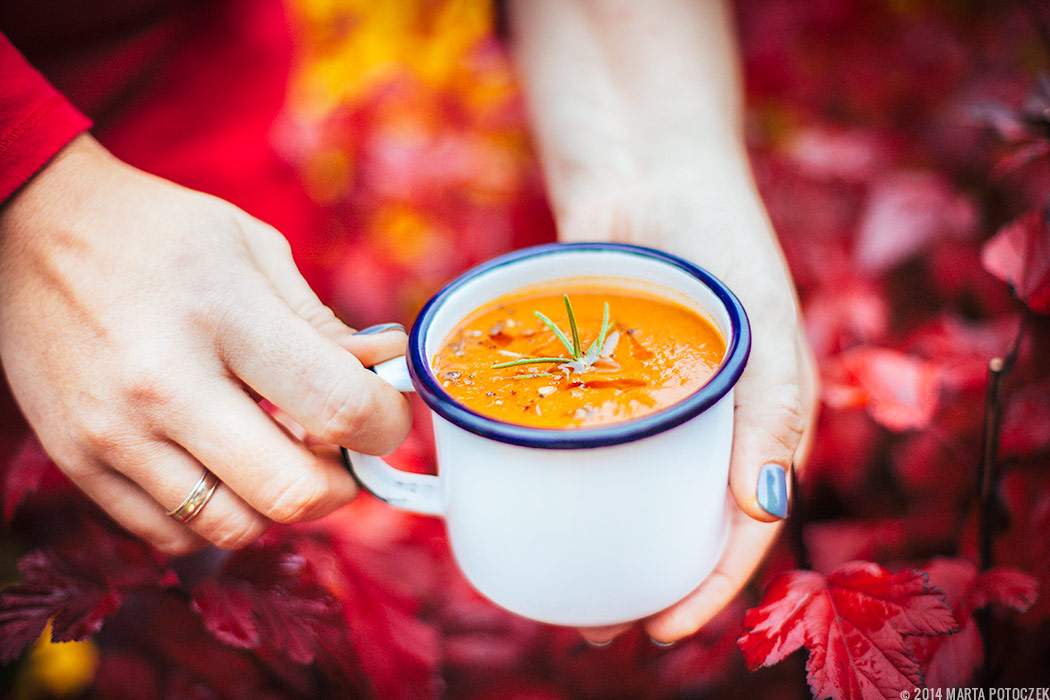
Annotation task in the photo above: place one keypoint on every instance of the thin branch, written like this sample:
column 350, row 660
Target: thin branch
column 989, row 479
column 987, row 490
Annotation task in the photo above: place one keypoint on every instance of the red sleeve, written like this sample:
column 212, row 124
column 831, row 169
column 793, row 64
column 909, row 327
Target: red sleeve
column 36, row 121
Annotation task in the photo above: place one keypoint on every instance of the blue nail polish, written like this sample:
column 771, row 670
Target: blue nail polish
column 381, row 328
column 662, row 645
column 772, row 490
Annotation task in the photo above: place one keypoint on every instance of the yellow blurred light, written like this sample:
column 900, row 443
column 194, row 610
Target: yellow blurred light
column 327, row 175
column 56, row 669
column 407, row 238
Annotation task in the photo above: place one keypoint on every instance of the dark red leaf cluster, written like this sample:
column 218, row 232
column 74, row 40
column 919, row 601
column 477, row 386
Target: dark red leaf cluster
column 76, row 585
column 267, row 598
column 24, row 472
column 951, row 661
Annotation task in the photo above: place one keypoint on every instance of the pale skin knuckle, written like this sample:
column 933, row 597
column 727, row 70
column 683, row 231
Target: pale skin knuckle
column 219, row 312
column 780, row 416
column 299, row 500
column 104, row 438
column 265, row 242
column 792, row 419
column 151, row 385
column 316, row 313
column 72, row 462
column 263, row 234
column 345, row 414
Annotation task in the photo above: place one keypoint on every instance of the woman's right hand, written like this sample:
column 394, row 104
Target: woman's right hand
column 139, row 324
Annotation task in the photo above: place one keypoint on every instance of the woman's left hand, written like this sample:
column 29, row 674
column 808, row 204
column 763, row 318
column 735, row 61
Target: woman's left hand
column 722, row 227
column 637, row 110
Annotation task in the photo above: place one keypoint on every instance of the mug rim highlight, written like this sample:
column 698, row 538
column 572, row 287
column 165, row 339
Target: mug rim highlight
column 439, row 401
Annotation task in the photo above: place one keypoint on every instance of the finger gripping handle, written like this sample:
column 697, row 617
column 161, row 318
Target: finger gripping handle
column 419, row 493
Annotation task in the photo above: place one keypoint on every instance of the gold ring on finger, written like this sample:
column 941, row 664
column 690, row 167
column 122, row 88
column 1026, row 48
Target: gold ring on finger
column 198, row 498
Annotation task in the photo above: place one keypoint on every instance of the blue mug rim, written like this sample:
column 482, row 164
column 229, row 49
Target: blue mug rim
column 442, row 403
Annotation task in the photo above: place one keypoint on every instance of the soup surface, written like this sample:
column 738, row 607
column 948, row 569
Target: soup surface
column 654, row 354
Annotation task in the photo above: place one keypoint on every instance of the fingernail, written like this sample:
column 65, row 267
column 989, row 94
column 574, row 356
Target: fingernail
column 598, row 645
column 381, row 328
column 771, row 492
column 662, row 645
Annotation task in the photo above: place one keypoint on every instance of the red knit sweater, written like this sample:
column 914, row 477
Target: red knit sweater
column 36, row 121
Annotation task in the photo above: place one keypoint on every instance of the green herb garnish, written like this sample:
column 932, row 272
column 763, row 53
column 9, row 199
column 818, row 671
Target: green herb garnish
column 531, row 361
column 573, row 347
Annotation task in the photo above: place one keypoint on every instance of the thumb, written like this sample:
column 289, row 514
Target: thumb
column 768, row 426
column 273, row 255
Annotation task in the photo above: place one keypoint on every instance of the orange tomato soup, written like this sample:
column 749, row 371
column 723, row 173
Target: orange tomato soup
column 656, row 353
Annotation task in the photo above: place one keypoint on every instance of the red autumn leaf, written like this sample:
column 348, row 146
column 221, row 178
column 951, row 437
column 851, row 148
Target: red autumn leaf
column 162, row 647
column 49, row 588
column 521, row 689
column 1025, row 128
column 899, row 391
column 905, row 213
column 1026, row 422
column 1026, row 497
column 958, row 279
column 267, row 596
column 1019, row 157
column 126, row 675
column 374, row 559
column 23, row 475
column 963, row 348
column 697, row 663
column 778, row 626
column 398, row 650
column 950, row 661
column 228, row 612
column 1006, row 121
column 854, row 622
column 827, row 153
column 76, row 585
column 477, row 635
column 1003, row 586
column 1019, row 254
column 844, row 312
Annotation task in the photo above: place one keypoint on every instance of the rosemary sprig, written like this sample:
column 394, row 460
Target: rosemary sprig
column 557, row 331
column 530, row 361
column 573, row 347
column 576, row 354
column 596, row 346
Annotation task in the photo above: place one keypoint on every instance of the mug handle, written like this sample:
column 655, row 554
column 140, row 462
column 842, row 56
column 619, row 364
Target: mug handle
column 419, row 493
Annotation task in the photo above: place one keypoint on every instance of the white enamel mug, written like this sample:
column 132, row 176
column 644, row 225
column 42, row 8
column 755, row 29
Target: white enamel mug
column 578, row 527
